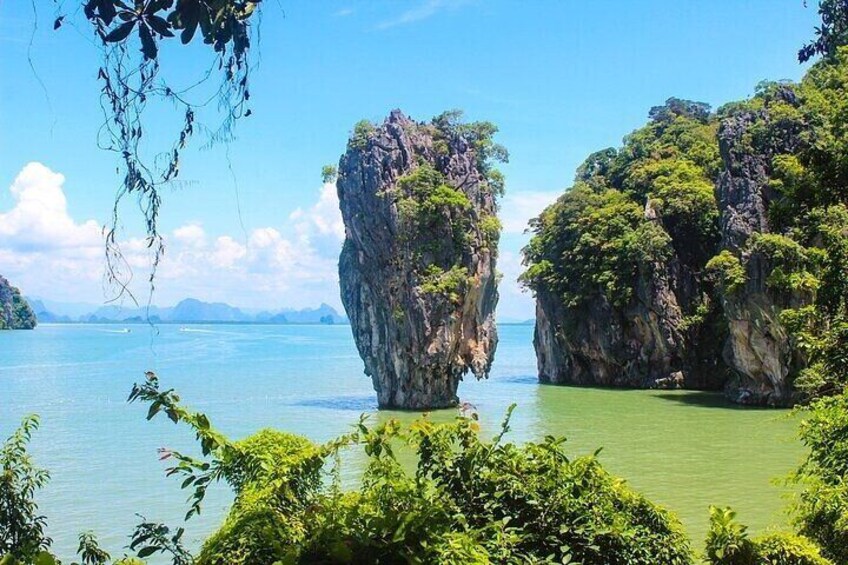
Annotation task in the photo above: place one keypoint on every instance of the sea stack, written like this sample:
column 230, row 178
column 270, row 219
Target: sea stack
column 417, row 269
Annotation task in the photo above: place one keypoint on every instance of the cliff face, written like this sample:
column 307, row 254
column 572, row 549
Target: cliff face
column 15, row 313
column 646, row 344
column 758, row 349
column 734, row 269
column 617, row 265
column 417, row 269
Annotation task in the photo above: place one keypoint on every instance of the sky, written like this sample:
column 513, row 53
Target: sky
column 252, row 225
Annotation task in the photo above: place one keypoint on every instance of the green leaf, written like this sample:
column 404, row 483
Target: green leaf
column 44, row 558
column 148, row 44
column 188, row 33
column 146, row 551
column 160, row 26
column 119, row 33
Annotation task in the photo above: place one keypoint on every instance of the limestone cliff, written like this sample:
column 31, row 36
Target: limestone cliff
column 758, row 349
column 703, row 252
column 15, row 313
column 616, row 265
column 417, row 269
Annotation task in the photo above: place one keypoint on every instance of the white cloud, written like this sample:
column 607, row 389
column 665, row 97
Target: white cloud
column 39, row 219
column 191, row 235
column 321, row 226
column 47, row 253
column 518, row 208
column 423, row 11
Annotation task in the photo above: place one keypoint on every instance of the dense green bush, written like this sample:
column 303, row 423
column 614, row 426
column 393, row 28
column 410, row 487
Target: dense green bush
column 630, row 208
column 822, row 507
column 22, row 534
column 728, row 270
column 728, row 543
column 466, row 500
column 361, row 133
column 589, row 243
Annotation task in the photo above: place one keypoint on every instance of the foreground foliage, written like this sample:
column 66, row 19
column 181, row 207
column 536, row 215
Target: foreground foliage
column 466, row 501
column 728, row 544
column 821, row 511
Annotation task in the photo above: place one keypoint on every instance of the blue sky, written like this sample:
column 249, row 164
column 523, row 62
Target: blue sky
column 560, row 78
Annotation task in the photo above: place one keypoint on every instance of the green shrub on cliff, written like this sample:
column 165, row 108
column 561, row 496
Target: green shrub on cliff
column 728, row 271
column 630, row 209
column 481, row 136
column 436, row 280
column 361, row 133
column 589, row 243
column 428, row 205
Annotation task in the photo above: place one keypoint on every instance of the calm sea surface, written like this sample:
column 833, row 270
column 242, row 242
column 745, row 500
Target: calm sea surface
column 685, row 450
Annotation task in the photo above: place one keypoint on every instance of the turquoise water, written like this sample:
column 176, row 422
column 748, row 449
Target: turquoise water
column 685, row 450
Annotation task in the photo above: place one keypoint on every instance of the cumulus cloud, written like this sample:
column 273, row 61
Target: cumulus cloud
column 190, row 235
column 39, row 220
column 321, row 225
column 48, row 253
column 518, row 208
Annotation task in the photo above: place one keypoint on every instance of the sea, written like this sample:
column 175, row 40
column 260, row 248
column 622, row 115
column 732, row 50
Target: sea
column 685, row 450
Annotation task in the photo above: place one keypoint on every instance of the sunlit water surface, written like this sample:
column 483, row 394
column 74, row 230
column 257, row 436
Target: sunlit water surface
column 685, row 450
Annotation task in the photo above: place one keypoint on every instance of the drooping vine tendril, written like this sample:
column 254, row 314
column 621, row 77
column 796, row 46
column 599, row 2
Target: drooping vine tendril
column 132, row 33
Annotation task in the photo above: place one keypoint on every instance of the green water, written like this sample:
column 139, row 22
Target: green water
column 685, row 450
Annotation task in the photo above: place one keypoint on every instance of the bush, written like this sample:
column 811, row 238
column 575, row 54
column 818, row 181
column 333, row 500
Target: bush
column 445, row 283
column 361, row 133
column 728, row 543
column 466, row 500
column 274, row 476
column 592, row 243
column 822, row 508
column 22, row 536
column 728, row 270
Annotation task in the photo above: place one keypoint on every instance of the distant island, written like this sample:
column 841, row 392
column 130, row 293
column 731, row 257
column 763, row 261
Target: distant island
column 15, row 313
column 189, row 310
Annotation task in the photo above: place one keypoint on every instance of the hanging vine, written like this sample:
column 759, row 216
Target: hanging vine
column 132, row 35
